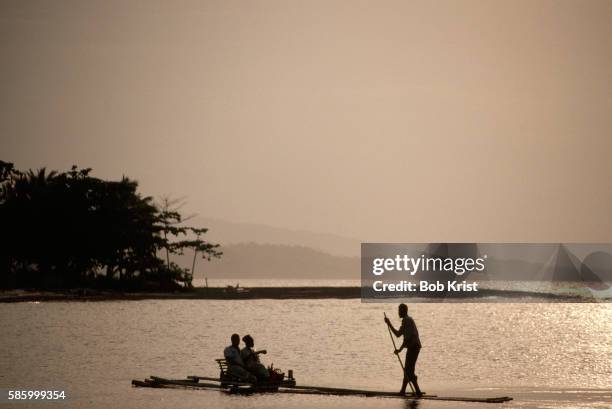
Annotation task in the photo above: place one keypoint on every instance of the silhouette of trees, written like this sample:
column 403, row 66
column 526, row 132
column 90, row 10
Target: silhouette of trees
column 67, row 230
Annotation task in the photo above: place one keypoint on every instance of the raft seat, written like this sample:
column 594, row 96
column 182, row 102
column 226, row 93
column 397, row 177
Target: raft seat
column 224, row 376
column 223, row 367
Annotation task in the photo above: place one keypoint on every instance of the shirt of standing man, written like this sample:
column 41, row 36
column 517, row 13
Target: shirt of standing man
column 410, row 333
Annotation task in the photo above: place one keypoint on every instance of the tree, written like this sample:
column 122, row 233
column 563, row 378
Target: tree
column 171, row 223
column 69, row 229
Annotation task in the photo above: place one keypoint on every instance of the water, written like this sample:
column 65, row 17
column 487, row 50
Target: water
column 544, row 355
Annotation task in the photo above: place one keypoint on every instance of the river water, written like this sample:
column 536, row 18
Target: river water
column 544, row 355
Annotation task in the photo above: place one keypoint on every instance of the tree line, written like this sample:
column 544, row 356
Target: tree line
column 72, row 230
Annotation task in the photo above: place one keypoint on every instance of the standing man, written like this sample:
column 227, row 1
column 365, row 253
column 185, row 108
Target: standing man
column 412, row 342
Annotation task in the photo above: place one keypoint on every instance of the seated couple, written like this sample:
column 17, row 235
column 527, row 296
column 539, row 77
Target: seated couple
column 244, row 364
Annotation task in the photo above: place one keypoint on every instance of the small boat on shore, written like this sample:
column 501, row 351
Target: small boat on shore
column 236, row 290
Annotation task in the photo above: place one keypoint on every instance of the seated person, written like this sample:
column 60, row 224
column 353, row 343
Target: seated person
column 236, row 367
column 250, row 357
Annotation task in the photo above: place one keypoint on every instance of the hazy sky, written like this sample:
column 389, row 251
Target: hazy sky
column 409, row 121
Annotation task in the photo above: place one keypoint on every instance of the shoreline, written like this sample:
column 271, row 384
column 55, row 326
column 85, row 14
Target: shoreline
column 255, row 293
column 198, row 293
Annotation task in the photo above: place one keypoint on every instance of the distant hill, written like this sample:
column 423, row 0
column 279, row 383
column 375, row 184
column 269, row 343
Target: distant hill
column 253, row 260
column 225, row 232
column 499, row 269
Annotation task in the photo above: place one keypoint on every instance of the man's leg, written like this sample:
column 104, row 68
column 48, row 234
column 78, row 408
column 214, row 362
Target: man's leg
column 241, row 374
column 261, row 372
column 406, row 378
column 411, row 359
column 404, row 384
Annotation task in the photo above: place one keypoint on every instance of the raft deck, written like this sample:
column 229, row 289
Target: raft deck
column 289, row 387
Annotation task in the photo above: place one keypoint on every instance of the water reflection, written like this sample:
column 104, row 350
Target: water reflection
column 411, row 404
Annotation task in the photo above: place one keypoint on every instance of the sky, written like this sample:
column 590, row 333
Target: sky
column 388, row 121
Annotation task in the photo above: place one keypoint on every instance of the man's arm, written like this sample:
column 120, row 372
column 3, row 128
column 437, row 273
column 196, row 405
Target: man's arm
column 404, row 345
column 408, row 332
column 397, row 332
column 232, row 358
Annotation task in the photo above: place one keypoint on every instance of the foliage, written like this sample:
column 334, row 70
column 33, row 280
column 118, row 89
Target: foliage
column 69, row 229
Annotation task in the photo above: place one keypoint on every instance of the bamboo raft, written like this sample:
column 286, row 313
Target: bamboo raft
column 289, row 386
